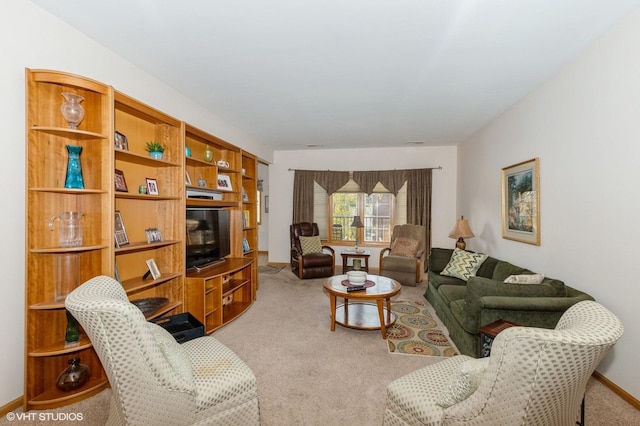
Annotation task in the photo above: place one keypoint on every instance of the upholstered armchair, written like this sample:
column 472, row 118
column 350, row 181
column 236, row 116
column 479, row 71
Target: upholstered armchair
column 534, row 376
column 309, row 258
column 405, row 258
column 154, row 379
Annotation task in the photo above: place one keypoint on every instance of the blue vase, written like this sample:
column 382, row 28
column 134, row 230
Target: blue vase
column 74, row 168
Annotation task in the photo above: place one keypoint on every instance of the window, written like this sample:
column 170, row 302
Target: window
column 379, row 212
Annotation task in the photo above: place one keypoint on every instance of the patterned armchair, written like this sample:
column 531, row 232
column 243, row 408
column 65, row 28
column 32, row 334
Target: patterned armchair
column 155, row 380
column 534, row 376
column 404, row 260
column 309, row 258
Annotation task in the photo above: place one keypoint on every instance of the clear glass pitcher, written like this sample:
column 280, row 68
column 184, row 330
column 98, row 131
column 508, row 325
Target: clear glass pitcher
column 70, row 232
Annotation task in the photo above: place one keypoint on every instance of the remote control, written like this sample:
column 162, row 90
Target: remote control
column 355, row 288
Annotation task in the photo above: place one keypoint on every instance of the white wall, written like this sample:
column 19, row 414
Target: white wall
column 32, row 38
column 584, row 125
column 281, row 186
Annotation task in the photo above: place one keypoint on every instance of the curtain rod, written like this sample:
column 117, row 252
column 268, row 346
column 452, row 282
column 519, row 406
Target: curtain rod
column 329, row 170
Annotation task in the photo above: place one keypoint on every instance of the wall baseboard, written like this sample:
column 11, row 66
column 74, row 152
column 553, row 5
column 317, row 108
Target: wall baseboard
column 10, row 406
column 626, row 396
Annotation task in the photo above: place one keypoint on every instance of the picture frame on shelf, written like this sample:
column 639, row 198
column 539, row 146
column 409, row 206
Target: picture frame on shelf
column 202, row 183
column 154, row 235
column 153, row 269
column 120, row 232
column 116, row 273
column 187, row 178
column 120, row 141
column 224, row 183
column 521, row 202
column 120, row 181
column 245, row 246
column 152, row 187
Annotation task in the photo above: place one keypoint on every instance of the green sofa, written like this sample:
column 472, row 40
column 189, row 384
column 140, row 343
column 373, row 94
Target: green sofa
column 464, row 307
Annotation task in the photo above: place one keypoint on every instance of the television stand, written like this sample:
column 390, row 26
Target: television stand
column 221, row 292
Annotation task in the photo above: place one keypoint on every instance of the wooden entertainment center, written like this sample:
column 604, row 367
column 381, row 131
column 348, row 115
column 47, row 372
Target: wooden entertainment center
column 215, row 295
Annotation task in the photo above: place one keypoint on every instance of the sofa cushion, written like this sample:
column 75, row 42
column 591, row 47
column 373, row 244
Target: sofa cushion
column 310, row 244
column 404, row 247
column 487, row 267
column 525, row 279
column 450, row 293
column 478, row 287
column 438, row 259
column 504, row 269
column 436, row 280
column 463, row 264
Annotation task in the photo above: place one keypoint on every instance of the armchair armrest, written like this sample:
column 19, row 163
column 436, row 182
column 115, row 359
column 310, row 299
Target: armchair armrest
column 331, row 251
column 383, row 252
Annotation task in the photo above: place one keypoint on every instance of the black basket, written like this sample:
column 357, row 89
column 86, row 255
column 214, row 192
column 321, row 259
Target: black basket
column 183, row 327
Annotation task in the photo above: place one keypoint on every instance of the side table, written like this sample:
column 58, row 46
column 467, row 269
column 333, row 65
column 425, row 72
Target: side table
column 357, row 256
column 489, row 332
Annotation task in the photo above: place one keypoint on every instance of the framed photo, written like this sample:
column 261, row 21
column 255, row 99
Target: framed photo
column 266, row 204
column 152, row 187
column 121, row 183
column 120, row 232
column 187, row 178
column 153, row 268
column 224, row 183
column 521, row 202
column 121, row 141
column 153, row 235
column 116, row 274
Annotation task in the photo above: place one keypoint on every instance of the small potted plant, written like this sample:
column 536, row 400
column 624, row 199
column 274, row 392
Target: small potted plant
column 155, row 149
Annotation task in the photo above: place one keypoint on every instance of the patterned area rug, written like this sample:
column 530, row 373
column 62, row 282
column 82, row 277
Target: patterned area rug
column 270, row 269
column 416, row 332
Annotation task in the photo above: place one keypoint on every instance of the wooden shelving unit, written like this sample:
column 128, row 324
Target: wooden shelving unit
column 108, row 111
column 220, row 293
column 250, row 207
column 47, row 134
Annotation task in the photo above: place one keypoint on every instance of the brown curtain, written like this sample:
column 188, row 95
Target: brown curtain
column 419, row 183
column 303, row 196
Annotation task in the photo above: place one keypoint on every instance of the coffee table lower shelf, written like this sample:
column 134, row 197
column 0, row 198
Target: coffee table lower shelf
column 363, row 316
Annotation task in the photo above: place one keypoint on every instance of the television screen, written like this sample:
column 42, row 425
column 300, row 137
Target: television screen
column 208, row 236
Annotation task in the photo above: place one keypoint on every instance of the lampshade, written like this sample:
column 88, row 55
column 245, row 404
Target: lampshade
column 357, row 223
column 461, row 230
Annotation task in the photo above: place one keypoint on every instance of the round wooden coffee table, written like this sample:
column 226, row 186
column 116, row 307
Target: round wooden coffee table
column 363, row 315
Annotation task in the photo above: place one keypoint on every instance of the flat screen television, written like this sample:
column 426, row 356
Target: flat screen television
column 208, row 236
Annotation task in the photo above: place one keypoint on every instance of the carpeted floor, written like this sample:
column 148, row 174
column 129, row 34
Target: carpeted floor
column 270, row 269
column 308, row 375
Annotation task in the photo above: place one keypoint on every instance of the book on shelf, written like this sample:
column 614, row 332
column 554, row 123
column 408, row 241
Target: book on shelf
column 246, row 216
column 245, row 245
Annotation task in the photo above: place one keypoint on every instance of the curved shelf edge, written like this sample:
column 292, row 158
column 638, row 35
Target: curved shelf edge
column 67, row 249
column 69, row 133
column 62, row 348
column 54, row 397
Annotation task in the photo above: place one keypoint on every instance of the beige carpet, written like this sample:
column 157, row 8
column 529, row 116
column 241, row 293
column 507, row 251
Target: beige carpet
column 308, row 375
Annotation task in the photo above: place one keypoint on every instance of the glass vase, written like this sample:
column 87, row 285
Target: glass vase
column 74, row 376
column 74, row 168
column 71, row 109
column 208, row 154
column 72, row 333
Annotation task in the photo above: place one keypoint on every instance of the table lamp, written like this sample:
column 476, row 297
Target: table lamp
column 461, row 231
column 357, row 223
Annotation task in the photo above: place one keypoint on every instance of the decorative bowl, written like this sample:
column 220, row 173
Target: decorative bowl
column 150, row 305
column 356, row 277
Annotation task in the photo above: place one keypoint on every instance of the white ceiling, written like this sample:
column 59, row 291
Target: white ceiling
column 348, row 73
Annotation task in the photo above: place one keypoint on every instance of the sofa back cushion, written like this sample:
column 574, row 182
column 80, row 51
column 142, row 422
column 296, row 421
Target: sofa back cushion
column 478, row 287
column 504, row 269
column 438, row 259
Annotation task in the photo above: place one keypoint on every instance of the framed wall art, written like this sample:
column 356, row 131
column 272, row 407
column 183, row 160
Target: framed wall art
column 121, row 141
column 521, row 202
column 152, row 187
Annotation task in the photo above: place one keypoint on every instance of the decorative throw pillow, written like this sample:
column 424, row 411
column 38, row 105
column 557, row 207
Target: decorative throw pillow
column 525, row 279
column 464, row 382
column 310, row 244
column 404, row 247
column 173, row 352
column 463, row 264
